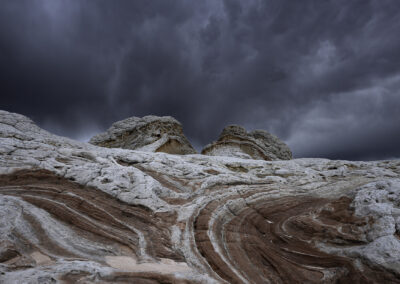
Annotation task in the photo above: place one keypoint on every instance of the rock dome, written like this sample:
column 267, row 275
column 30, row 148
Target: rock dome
column 235, row 141
column 150, row 134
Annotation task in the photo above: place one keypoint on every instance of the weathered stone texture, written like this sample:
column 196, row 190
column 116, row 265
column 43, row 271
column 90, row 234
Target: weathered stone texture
column 150, row 134
column 235, row 141
column 72, row 212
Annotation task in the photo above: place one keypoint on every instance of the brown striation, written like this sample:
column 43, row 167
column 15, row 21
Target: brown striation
column 72, row 212
column 93, row 216
column 274, row 241
column 267, row 240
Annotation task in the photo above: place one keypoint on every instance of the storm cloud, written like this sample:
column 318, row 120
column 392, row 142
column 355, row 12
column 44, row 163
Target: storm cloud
column 324, row 76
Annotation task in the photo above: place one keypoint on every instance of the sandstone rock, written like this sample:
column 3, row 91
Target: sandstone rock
column 73, row 212
column 235, row 141
column 150, row 134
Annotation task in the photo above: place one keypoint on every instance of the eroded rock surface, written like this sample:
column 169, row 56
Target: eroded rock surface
column 72, row 212
column 235, row 141
column 150, row 134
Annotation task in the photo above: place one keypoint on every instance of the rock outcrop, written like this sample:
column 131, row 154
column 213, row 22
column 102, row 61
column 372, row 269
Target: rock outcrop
column 235, row 141
column 73, row 212
column 150, row 133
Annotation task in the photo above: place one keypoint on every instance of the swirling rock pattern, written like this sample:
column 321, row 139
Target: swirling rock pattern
column 73, row 212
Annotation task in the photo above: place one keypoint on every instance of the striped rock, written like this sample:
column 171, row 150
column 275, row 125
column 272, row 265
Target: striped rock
column 73, row 212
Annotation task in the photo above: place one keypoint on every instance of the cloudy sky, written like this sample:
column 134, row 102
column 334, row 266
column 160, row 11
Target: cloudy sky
column 324, row 76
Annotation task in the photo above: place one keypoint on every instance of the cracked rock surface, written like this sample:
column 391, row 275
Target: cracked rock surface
column 73, row 212
column 235, row 141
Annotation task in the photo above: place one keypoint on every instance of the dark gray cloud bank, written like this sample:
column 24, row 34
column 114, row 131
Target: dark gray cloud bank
column 322, row 75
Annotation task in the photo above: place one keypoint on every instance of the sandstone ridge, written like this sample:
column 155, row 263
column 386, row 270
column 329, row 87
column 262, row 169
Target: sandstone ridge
column 73, row 212
column 235, row 141
column 150, row 133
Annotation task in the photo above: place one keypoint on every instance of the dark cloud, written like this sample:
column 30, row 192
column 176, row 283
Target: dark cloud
column 322, row 75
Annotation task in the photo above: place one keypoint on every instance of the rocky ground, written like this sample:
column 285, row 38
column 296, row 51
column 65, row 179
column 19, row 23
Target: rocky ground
column 73, row 212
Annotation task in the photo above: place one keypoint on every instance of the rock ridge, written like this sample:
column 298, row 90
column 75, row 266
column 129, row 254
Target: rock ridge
column 165, row 134
column 73, row 212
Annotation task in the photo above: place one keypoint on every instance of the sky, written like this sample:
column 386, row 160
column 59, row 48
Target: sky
column 324, row 76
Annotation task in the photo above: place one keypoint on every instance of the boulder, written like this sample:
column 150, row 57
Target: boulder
column 150, row 134
column 235, row 141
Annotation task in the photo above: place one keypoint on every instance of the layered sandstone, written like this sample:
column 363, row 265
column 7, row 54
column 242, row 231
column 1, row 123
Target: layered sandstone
column 150, row 133
column 235, row 141
column 79, row 213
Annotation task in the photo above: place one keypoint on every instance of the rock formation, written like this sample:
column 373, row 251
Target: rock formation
column 79, row 213
column 150, row 133
column 235, row 141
